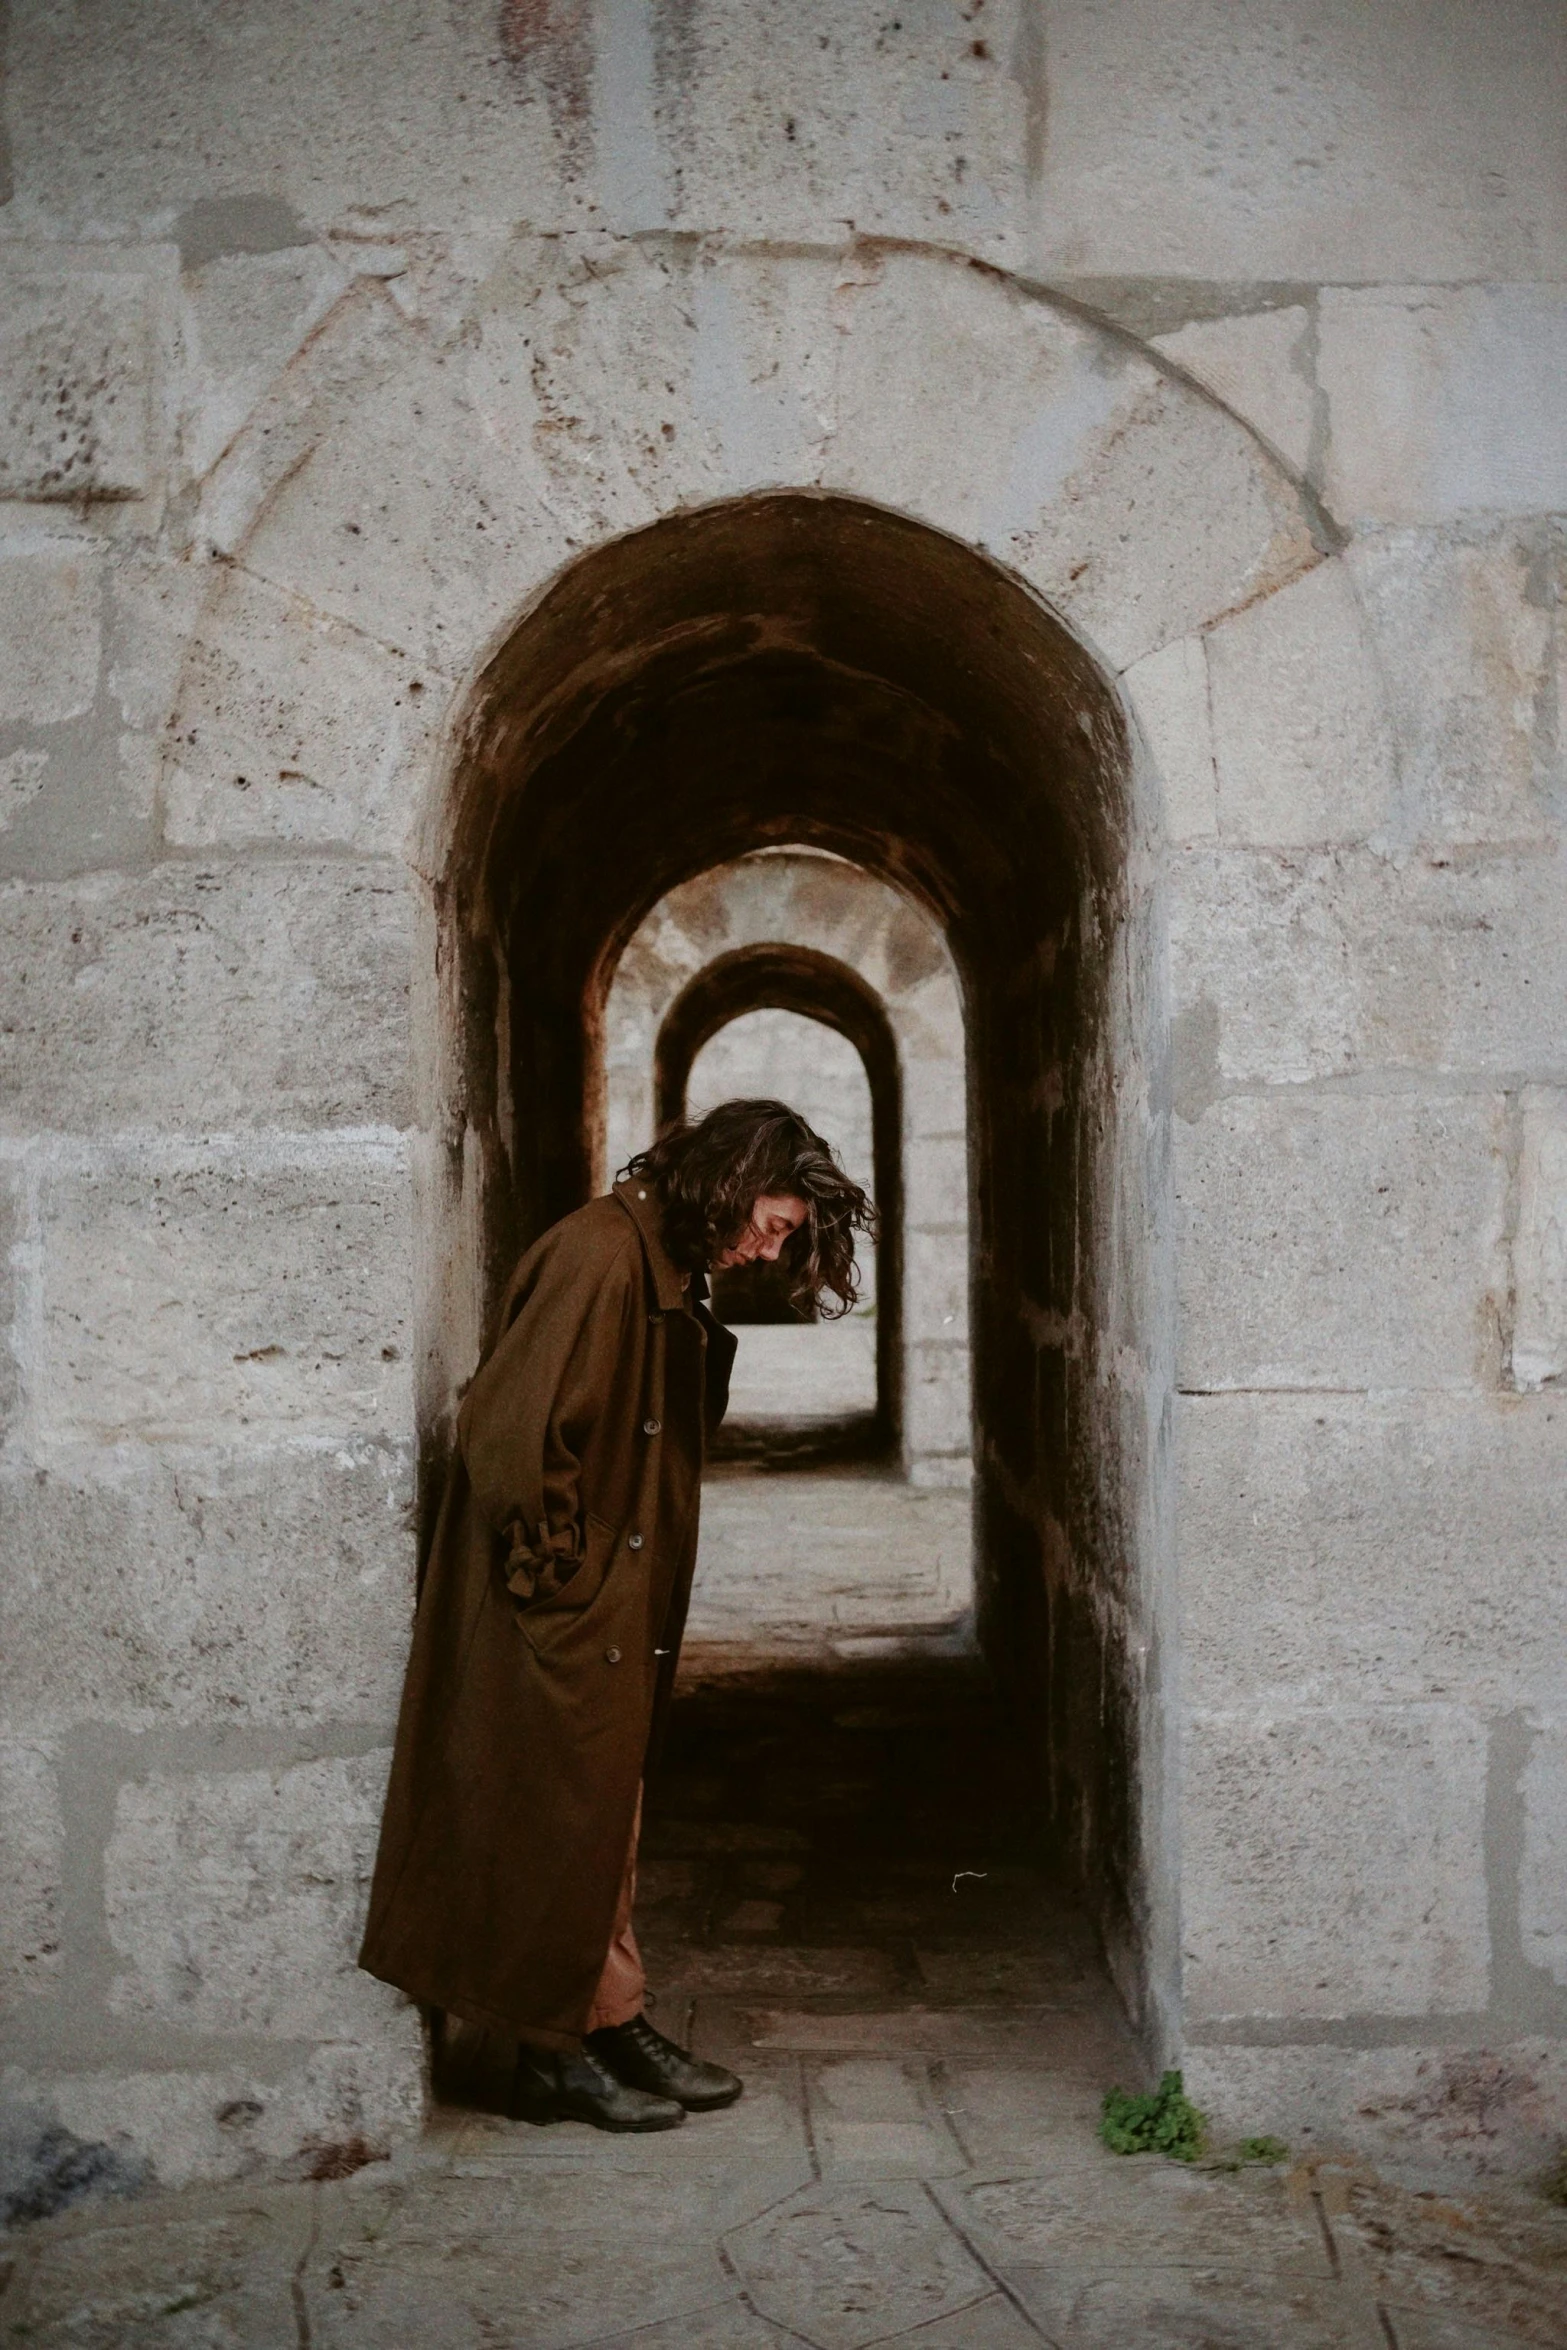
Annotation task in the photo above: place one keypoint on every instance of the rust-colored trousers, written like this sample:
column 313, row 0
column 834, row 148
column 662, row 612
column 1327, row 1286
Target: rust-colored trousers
column 623, row 1985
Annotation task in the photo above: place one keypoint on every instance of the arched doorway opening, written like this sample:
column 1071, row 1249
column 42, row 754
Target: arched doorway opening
column 719, row 1004
column 833, row 1524
column 799, row 668
column 725, row 1005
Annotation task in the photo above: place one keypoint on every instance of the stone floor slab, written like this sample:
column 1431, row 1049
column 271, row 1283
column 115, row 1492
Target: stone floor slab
column 849, row 2266
column 1423, row 2329
column 766, row 2132
column 1496, row 2264
column 1144, row 2211
column 771, row 1973
column 1015, row 1977
column 872, row 2118
column 1093, row 2048
column 218, row 2272
column 984, row 2325
column 1194, row 2309
column 1014, row 2118
column 730, row 2327
column 550, row 2259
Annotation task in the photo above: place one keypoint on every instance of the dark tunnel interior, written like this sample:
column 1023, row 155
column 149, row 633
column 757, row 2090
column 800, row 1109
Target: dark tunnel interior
column 807, row 669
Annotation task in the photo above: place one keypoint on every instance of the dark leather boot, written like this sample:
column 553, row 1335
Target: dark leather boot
column 644, row 2059
column 557, row 2088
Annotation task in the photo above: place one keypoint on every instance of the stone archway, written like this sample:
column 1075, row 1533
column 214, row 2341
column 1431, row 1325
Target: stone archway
column 808, row 669
column 750, row 920
column 406, row 494
column 813, row 986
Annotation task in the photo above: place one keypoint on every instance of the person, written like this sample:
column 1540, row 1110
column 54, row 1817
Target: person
column 551, row 1610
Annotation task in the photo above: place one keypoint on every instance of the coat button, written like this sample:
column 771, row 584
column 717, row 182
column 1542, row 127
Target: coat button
column 612, row 1656
column 633, row 1542
column 651, row 1427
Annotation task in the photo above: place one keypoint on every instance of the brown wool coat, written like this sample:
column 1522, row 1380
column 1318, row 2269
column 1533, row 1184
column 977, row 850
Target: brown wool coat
column 561, row 1566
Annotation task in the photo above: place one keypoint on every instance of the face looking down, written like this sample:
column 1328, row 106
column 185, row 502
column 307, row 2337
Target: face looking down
column 774, row 1219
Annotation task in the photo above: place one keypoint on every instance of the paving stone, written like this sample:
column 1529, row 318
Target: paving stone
column 1136, row 2211
column 753, row 1917
column 660, row 1880
column 723, row 1836
column 735, row 2162
column 731, row 2326
column 984, row 2325
column 1424, row 2329
column 1013, row 2117
column 834, row 1551
column 1078, row 2043
column 854, row 2266
column 963, row 1977
column 874, row 2119
column 217, row 2275
column 764, row 1971
column 549, row 2259
column 1175, row 2309
column 1500, row 2265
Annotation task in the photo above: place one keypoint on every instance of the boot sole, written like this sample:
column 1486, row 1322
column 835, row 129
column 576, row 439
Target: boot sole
column 712, row 2104
column 547, row 2110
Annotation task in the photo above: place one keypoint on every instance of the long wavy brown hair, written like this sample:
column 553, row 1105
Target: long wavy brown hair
column 710, row 1176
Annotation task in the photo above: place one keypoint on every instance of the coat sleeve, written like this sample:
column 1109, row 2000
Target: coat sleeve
column 526, row 1418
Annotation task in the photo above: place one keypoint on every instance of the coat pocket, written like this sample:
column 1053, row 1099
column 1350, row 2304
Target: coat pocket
column 545, row 1620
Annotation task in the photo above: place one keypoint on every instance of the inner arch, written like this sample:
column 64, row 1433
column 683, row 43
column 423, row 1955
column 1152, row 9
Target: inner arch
column 805, row 668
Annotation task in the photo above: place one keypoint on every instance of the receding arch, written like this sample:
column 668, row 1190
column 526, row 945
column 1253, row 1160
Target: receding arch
column 801, row 668
column 776, row 977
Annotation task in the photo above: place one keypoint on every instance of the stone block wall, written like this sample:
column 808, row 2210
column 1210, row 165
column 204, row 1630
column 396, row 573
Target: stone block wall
column 1368, row 927
column 1237, row 334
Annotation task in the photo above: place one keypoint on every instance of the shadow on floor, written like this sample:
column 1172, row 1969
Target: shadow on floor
column 852, row 1862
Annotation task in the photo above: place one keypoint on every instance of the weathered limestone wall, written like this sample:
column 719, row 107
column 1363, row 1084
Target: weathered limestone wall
column 327, row 338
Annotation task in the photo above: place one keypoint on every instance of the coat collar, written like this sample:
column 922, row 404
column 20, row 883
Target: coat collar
column 640, row 1202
